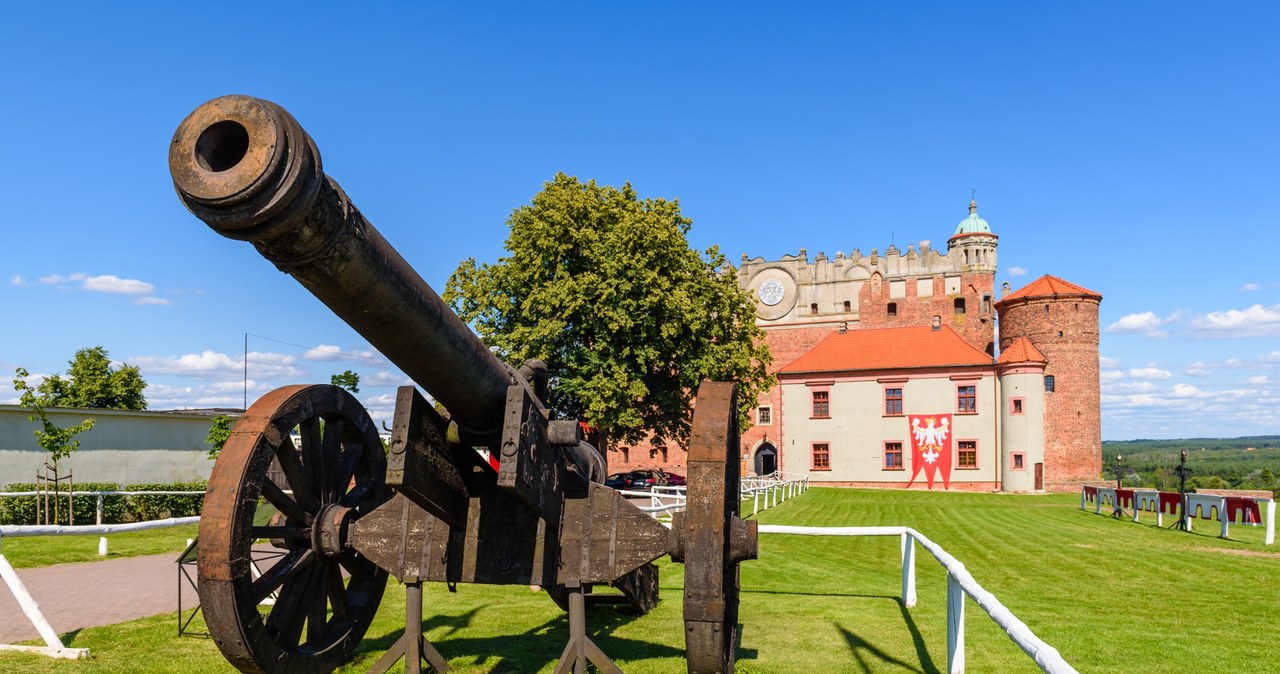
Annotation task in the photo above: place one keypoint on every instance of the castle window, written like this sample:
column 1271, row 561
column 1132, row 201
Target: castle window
column 967, row 454
column 764, row 415
column 893, row 456
column 1059, row 333
column 892, row 402
column 813, row 308
column 1015, row 406
column 959, row 306
column 1019, row 461
column 967, row 399
column 1046, row 310
column 847, row 306
column 821, row 456
column 986, row 303
column 822, row 404
column 1048, row 383
column 893, row 308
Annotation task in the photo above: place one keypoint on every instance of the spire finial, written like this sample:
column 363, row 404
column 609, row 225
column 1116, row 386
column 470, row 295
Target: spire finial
column 973, row 201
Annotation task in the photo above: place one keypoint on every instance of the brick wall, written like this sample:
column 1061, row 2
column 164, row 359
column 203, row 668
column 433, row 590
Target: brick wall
column 976, row 325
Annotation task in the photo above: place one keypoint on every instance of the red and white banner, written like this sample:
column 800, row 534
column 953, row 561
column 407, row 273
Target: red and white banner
column 930, row 447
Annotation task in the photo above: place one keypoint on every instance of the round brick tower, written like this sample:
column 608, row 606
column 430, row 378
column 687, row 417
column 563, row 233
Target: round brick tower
column 1061, row 320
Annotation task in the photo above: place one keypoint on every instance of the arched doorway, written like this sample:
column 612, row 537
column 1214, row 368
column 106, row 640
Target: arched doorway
column 766, row 459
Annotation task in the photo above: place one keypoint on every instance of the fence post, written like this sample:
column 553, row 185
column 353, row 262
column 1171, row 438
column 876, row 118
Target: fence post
column 755, row 501
column 908, row 570
column 955, row 625
column 98, row 509
column 1271, row 523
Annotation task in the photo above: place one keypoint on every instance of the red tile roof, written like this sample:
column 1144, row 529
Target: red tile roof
column 888, row 349
column 1050, row 286
column 1021, row 351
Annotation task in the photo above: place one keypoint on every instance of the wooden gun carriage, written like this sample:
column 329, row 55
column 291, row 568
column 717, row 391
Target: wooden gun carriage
column 345, row 514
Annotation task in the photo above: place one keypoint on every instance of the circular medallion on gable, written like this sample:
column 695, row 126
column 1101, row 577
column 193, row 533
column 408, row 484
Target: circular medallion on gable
column 771, row 292
column 774, row 290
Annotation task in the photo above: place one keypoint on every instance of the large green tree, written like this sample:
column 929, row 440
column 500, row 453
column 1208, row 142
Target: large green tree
column 604, row 287
column 92, row 382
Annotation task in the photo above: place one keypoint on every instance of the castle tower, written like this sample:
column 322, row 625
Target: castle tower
column 1021, row 371
column 1060, row 320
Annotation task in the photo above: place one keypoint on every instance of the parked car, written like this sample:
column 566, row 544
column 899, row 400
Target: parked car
column 618, row 481
column 676, row 480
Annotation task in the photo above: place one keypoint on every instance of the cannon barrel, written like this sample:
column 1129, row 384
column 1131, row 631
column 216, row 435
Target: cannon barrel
column 246, row 168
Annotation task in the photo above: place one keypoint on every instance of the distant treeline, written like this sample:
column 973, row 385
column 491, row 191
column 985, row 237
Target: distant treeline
column 1251, row 462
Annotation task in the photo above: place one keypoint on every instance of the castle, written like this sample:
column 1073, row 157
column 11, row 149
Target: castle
column 889, row 375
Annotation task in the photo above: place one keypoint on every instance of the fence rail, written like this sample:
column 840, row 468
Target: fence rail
column 959, row 583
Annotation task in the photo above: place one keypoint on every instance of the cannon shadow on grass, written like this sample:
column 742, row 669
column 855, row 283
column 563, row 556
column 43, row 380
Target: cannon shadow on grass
column 530, row 650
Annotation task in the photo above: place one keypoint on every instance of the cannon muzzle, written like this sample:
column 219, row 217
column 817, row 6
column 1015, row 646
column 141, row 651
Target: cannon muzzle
column 247, row 169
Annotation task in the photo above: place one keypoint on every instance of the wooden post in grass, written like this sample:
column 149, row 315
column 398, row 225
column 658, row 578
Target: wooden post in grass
column 955, row 625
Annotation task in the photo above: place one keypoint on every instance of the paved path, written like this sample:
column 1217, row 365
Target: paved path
column 89, row 594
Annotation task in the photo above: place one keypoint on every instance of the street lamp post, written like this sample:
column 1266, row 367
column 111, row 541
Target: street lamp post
column 1116, row 510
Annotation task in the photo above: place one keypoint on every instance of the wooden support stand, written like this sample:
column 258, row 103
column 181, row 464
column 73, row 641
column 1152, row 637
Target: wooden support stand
column 581, row 649
column 411, row 645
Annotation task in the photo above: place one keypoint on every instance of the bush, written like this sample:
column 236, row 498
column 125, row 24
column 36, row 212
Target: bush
column 22, row 509
column 148, row 507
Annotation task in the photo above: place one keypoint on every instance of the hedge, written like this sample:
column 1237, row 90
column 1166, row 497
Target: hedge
column 115, row 509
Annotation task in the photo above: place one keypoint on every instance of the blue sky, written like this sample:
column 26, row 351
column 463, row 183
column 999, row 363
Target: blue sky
column 1127, row 147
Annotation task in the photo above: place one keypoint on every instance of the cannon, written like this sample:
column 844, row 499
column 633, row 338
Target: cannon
column 491, row 487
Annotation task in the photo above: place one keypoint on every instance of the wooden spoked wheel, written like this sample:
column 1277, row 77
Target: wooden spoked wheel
column 714, row 539
column 322, row 594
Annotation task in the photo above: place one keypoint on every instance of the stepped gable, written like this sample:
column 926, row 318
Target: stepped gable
column 1049, row 286
column 888, row 349
column 1021, row 351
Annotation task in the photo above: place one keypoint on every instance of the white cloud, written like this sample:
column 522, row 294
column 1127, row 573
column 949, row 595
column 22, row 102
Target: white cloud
column 17, row 280
column 1199, row 369
column 1259, row 379
column 1017, row 271
column 1104, row 361
column 384, row 378
column 323, row 352
column 1250, row 287
column 1181, row 390
column 1146, row 323
column 156, row 301
column 1130, row 387
column 114, row 284
column 106, row 283
column 1255, row 321
column 1111, row 375
column 1150, row 372
column 329, row 353
column 217, row 365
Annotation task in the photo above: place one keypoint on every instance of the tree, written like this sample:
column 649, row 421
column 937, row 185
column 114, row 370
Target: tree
column 219, row 433
column 347, row 380
column 604, row 287
column 57, row 441
column 93, row 383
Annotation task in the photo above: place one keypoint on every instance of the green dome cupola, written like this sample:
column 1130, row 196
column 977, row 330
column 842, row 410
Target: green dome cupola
column 972, row 224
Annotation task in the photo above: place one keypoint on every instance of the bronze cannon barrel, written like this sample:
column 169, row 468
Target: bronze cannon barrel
column 246, row 168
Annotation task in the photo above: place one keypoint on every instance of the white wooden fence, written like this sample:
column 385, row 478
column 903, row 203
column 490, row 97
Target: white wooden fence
column 959, row 583
column 53, row 644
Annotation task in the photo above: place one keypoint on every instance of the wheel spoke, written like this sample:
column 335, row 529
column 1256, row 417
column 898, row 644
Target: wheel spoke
column 285, row 619
column 286, row 532
column 353, row 498
column 285, row 569
column 276, row 497
column 299, row 480
column 332, row 452
column 317, row 605
column 337, row 593
column 346, row 467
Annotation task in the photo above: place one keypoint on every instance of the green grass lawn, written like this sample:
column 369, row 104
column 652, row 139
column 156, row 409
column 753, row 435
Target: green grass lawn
column 28, row 552
column 1108, row 594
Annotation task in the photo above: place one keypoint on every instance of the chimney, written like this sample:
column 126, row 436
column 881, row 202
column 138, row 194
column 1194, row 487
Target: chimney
column 937, row 323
